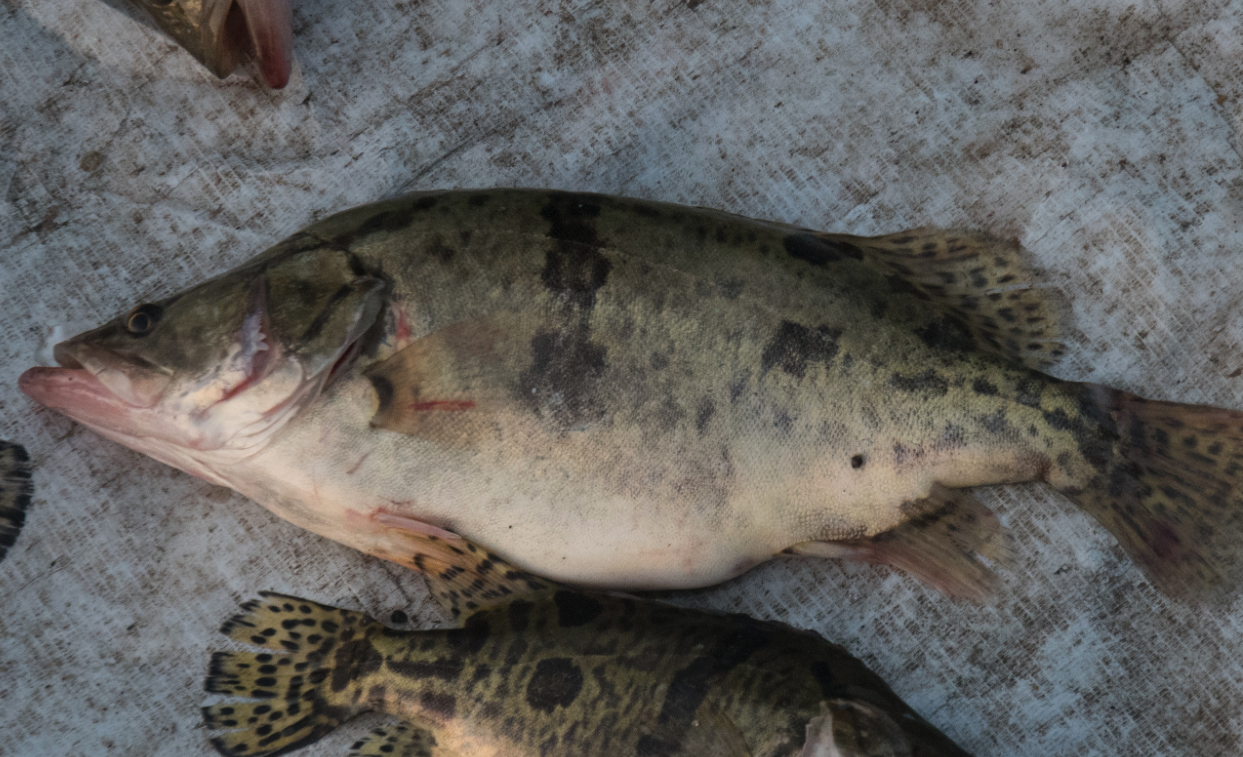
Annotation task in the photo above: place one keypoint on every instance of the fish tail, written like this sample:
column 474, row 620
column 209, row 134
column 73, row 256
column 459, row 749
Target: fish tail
column 1166, row 479
column 301, row 689
column 16, row 491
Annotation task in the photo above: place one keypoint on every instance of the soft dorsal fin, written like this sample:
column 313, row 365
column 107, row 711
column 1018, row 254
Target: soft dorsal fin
column 980, row 279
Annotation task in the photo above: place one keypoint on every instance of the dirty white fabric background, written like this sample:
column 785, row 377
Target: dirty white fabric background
column 1103, row 135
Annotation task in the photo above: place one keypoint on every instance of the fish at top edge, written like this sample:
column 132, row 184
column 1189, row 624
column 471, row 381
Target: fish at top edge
column 631, row 394
column 535, row 669
column 220, row 33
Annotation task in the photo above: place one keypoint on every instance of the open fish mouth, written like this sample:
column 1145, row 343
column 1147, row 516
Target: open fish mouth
column 263, row 28
column 78, row 392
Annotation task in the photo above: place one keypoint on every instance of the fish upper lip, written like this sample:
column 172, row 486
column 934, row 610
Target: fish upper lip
column 264, row 28
column 62, row 355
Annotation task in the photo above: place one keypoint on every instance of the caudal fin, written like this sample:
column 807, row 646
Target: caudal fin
column 299, row 691
column 15, row 493
column 1169, row 487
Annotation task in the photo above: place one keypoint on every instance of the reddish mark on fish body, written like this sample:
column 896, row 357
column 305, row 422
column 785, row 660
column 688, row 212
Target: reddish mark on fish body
column 449, row 405
column 357, row 465
column 401, row 327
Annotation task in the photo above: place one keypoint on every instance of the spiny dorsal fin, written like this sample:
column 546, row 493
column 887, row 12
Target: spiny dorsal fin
column 16, row 491
column 398, row 740
column 983, row 281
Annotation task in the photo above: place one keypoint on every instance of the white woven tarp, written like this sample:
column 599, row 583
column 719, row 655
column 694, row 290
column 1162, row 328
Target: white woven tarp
column 1103, row 135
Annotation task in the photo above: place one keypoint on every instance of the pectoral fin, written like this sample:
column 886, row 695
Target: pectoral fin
column 453, row 386
column 710, row 734
column 847, row 728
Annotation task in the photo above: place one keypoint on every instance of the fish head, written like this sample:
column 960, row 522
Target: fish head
column 219, row 33
column 209, row 375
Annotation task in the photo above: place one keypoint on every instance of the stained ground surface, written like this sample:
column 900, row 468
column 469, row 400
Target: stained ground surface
column 1103, row 135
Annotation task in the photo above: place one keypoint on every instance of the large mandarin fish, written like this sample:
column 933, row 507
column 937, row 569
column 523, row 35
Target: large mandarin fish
column 220, row 33
column 629, row 394
column 535, row 669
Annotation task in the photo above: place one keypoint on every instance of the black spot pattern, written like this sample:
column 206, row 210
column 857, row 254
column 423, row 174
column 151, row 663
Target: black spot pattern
column 555, row 683
column 576, row 609
column 948, row 334
column 928, row 381
column 819, row 251
column 354, row 659
column 566, row 363
column 794, row 347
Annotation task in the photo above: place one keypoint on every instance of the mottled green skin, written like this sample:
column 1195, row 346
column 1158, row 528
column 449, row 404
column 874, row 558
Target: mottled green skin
column 705, row 390
column 621, row 393
column 562, row 673
column 573, row 674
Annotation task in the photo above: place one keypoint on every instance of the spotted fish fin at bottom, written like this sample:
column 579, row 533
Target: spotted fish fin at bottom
column 290, row 695
column 398, row 740
column 462, row 576
column 944, row 545
column 981, row 282
column 849, row 728
column 16, row 492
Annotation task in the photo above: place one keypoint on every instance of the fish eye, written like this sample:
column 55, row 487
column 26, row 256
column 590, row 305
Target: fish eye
column 142, row 319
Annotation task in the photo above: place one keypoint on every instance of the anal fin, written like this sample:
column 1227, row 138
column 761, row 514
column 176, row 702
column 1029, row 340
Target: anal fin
column 942, row 545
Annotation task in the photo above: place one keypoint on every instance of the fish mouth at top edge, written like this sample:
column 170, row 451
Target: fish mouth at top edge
column 263, row 28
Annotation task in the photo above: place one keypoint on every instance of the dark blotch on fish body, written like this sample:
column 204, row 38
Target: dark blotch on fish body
column 575, row 609
column 444, row 669
column 817, row 251
column 354, row 659
column 574, row 267
column 928, row 381
column 555, row 683
column 946, row 333
column 795, row 346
